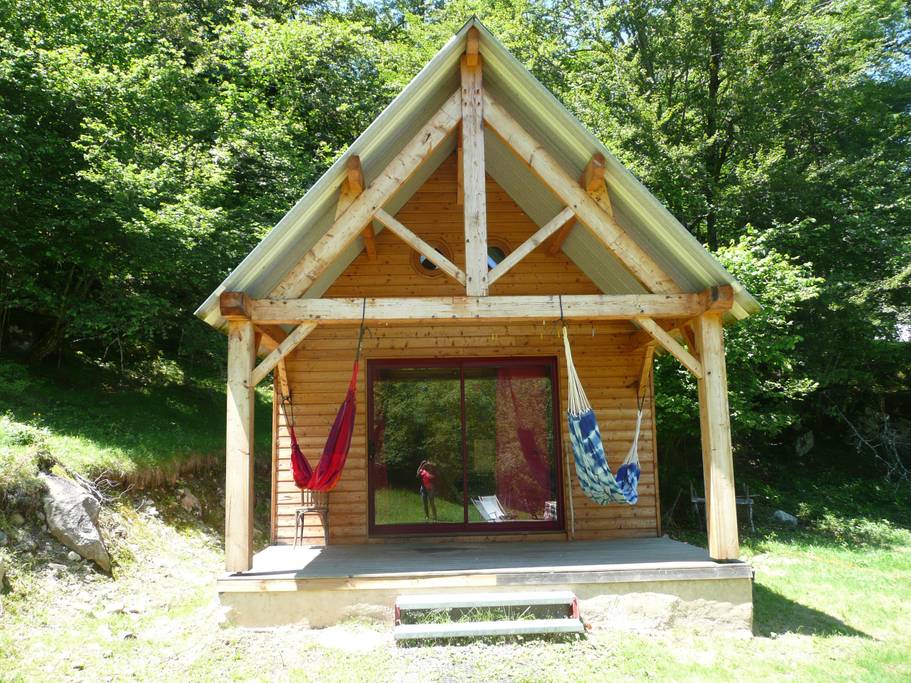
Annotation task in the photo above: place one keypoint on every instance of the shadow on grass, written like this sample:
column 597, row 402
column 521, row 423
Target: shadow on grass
column 773, row 613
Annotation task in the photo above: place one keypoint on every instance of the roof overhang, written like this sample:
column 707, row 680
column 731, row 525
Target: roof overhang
column 636, row 210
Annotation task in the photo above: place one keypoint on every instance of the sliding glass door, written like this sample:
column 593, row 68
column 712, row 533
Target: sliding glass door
column 463, row 445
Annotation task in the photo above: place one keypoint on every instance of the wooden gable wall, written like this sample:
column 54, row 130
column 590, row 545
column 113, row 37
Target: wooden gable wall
column 320, row 367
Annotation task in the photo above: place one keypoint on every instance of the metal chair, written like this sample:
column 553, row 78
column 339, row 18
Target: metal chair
column 745, row 501
column 311, row 502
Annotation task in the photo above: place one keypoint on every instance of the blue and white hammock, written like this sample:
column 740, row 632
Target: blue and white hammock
column 594, row 473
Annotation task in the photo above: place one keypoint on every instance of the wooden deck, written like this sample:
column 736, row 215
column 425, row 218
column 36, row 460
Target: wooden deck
column 634, row 559
column 324, row 585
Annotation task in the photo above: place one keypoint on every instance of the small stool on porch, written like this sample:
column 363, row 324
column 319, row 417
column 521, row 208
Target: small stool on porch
column 312, row 502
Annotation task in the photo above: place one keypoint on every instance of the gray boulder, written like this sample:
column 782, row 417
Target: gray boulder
column 785, row 518
column 72, row 518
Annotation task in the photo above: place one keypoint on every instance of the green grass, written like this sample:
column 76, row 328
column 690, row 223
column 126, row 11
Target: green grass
column 831, row 603
column 145, row 427
column 401, row 506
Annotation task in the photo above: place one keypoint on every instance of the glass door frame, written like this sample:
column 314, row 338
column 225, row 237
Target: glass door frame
column 465, row 527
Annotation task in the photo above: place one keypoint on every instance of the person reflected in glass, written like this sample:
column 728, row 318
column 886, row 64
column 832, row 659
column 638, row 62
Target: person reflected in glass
column 427, row 476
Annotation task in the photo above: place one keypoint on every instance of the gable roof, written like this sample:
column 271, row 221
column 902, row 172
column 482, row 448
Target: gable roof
column 636, row 210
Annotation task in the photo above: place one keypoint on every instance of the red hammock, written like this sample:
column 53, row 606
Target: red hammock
column 335, row 452
column 329, row 468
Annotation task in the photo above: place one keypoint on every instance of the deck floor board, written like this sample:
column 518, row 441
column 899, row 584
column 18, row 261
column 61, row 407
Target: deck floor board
column 413, row 559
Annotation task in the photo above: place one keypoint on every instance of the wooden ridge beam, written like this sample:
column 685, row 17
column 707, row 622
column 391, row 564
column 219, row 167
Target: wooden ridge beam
column 599, row 222
column 472, row 47
column 670, row 345
column 461, row 308
column 287, row 346
column 529, row 245
column 474, row 193
column 422, row 247
column 351, row 223
column 352, row 187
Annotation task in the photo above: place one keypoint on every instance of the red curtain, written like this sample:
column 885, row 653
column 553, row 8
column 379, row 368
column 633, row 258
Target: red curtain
column 523, row 466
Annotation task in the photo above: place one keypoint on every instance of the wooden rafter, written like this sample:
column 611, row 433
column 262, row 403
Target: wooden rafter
column 287, row 346
column 473, row 176
column 350, row 224
column 352, row 186
column 420, row 246
column 529, row 245
column 599, row 222
column 670, row 345
column 461, row 308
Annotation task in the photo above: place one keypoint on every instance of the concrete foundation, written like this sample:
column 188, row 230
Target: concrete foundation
column 690, row 591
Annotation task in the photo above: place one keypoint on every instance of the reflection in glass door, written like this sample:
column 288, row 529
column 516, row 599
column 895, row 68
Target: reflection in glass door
column 463, row 445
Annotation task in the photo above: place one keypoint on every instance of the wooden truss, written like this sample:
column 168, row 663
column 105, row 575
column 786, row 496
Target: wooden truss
column 470, row 112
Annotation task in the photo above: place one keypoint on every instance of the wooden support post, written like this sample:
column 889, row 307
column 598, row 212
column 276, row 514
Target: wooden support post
column 239, row 447
column 715, row 423
column 473, row 177
column 460, row 180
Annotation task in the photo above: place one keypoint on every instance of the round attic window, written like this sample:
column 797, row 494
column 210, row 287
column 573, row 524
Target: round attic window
column 495, row 256
column 426, row 266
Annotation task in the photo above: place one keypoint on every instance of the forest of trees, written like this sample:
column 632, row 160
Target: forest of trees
column 147, row 145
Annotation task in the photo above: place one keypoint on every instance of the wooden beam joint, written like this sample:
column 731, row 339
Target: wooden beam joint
column 234, row 305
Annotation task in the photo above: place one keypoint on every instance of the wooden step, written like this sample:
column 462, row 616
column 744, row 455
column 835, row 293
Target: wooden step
column 487, row 628
column 502, row 599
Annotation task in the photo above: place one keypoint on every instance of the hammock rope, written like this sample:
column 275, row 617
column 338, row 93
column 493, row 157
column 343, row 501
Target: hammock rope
column 325, row 476
column 595, row 477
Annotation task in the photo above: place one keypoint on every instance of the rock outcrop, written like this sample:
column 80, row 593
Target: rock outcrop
column 72, row 518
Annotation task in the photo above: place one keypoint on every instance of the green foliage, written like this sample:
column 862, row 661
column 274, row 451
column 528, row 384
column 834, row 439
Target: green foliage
column 767, row 383
column 146, row 147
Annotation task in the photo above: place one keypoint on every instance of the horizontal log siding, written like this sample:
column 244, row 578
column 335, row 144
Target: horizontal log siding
column 320, row 368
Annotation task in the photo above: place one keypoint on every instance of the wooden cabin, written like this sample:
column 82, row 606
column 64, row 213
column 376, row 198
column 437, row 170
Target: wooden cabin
column 471, row 221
